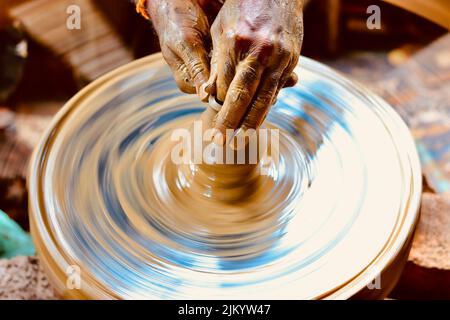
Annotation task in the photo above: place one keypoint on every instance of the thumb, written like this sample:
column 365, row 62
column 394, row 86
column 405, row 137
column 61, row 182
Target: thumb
column 209, row 88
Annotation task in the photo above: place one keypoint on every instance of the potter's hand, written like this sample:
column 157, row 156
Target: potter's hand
column 184, row 35
column 256, row 45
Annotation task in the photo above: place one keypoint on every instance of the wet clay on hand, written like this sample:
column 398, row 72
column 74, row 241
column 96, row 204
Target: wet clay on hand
column 184, row 37
column 232, row 191
column 256, row 46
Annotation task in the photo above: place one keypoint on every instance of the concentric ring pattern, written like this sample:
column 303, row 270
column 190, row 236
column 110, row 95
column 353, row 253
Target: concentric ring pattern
column 336, row 210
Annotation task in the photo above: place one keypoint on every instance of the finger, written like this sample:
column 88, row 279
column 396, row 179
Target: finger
column 196, row 60
column 283, row 83
column 291, row 80
column 226, row 70
column 226, row 67
column 179, row 71
column 264, row 97
column 239, row 96
column 209, row 88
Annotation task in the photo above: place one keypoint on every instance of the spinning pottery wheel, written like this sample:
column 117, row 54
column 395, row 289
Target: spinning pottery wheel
column 337, row 212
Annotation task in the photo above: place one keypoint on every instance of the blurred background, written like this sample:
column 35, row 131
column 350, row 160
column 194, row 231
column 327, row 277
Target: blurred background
column 43, row 63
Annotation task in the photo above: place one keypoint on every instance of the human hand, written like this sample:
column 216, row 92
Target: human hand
column 184, row 35
column 256, row 46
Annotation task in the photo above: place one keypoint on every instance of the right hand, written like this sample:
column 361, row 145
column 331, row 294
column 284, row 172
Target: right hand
column 256, row 46
column 184, row 35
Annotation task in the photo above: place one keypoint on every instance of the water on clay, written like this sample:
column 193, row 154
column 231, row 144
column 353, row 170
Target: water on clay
column 114, row 203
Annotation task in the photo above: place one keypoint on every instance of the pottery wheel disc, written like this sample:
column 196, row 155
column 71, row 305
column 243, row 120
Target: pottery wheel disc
column 339, row 210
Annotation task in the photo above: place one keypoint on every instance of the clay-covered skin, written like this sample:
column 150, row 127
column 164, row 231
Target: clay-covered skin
column 184, row 35
column 256, row 46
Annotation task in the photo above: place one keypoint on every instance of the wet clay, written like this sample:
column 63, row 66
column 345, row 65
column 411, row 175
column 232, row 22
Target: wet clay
column 106, row 195
column 194, row 198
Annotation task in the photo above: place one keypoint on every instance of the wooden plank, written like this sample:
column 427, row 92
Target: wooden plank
column 20, row 131
column 91, row 51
